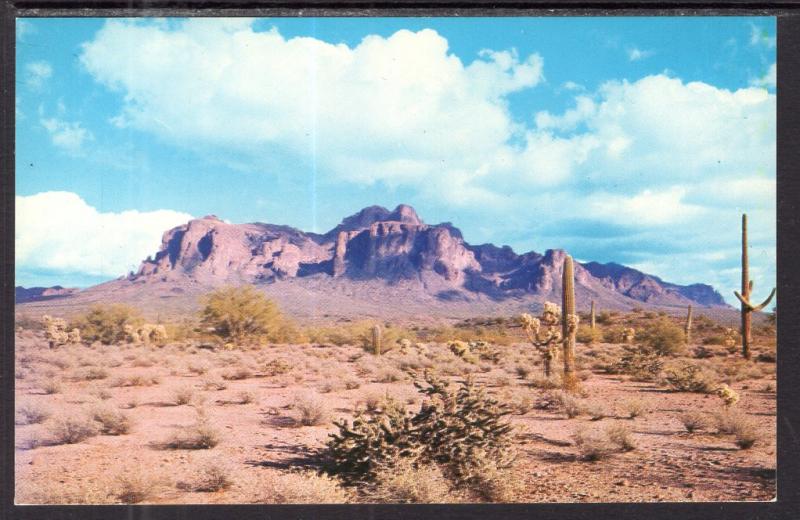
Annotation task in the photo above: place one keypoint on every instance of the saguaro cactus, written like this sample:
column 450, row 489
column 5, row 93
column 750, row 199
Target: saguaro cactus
column 688, row 327
column 376, row 340
column 744, row 297
column 591, row 316
column 569, row 323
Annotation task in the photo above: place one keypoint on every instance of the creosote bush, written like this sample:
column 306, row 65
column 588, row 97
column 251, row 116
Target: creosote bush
column 664, row 337
column 199, row 435
column 310, row 410
column 107, row 323
column 685, row 376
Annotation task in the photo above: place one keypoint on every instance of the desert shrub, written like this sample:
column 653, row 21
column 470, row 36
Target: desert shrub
column 639, row 363
column 620, row 435
column 592, row 445
column 522, row 371
column 198, row 368
column 302, row 488
column 746, row 434
column 588, row 336
column 389, row 375
column 110, row 420
column 714, row 339
column 569, row 404
column 664, row 337
column 352, row 384
column 407, row 483
column 92, row 374
column 277, row 367
column 603, row 318
column 310, row 411
column 241, row 315
column 211, row 476
column 106, row 323
column 52, row 386
column 596, row 411
column 684, row 376
column 546, row 383
column 693, row 420
column 32, row 413
column 728, row 421
column 237, row 374
column 635, row 407
column 135, row 380
column 183, row 395
column 135, row 487
column 455, row 430
column 71, row 429
column 199, row 435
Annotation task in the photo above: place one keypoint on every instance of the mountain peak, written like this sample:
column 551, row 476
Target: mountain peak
column 406, row 214
column 372, row 214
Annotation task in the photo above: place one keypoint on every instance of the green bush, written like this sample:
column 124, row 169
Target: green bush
column 243, row 315
column 587, row 335
column 106, row 323
column 664, row 337
column 689, row 377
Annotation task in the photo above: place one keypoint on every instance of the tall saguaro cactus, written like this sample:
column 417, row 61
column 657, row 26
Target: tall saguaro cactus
column 688, row 328
column 591, row 317
column 569, row 323
column 747, row 289
column 376, row 340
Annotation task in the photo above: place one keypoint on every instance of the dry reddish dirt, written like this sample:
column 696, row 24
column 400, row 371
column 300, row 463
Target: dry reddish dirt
column 261, row 440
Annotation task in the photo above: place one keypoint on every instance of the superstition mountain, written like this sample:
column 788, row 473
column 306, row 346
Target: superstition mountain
column 376, row 263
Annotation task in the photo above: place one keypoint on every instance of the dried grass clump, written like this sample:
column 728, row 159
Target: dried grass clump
column 693, row 420
column 237, row 374
column 352, row 384
column 212, row 475
column 135, row 487
column 52, row 386
column 214, row 384
column 635, row 407
column 546, row 383
column 111, row 421
column 310, row 411
column 92, row 374
column 196, row 367
column 620, row 435
column 592, row 445
column 733, row 422
column 136, row 380
column 301, row 488
column 389, row 375
column 245, row 397
column 71, row 429
column 199, row 435
column 183, row 395
column 32, row 413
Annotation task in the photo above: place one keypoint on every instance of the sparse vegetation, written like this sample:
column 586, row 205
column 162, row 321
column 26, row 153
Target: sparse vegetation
column 107, row 323
column 243, row 315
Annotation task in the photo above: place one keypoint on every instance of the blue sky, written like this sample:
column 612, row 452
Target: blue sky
column 634, row 140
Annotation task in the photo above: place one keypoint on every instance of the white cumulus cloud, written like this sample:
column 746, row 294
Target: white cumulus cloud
column 58, row 232
column 768, row 80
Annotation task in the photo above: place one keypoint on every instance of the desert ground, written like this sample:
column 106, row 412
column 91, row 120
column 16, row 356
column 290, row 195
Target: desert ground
column 192, row 421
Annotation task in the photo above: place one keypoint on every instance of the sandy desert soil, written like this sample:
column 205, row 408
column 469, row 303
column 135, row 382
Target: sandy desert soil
column 251, row 400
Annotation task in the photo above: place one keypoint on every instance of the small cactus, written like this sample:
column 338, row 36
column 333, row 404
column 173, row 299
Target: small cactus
column 727, row 394
column 376, row 340
column 628, row 334
column 55, row 331
column 688, row 327
column 546, row 341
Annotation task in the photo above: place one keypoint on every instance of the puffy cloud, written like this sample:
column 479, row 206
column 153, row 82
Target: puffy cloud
column 761, row 37
column 37, row 73
column 397, row 109
column 70, row 136
column 58, row 232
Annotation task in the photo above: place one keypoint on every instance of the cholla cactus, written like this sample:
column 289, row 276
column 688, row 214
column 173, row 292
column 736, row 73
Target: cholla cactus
column 405, row 346
column 55, row 331
column 146, row 333
column 462, row 349
column 628, row 334
column 547, row 341
column 727, row 394
column 730, row 338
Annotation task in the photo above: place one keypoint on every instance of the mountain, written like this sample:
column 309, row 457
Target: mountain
column 22, row 295
column 381, row 262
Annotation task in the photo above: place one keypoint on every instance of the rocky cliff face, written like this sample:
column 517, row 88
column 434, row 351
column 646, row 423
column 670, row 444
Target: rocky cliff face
column 396, row 247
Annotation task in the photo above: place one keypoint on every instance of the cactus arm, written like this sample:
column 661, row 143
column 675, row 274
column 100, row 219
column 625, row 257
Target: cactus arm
column 744, row 300
column 765, row 302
